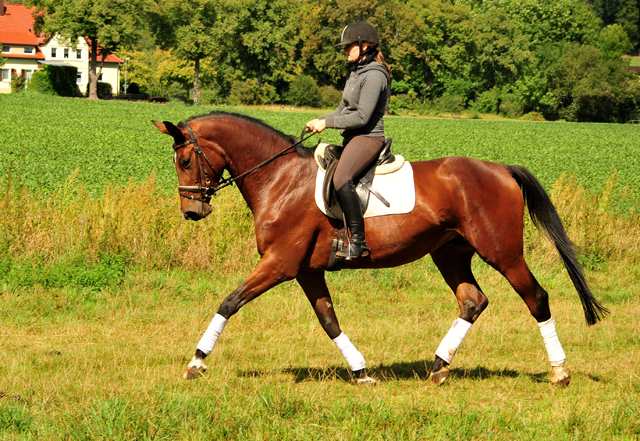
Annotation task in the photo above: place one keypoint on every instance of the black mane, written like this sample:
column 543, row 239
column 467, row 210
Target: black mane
column 302, row 150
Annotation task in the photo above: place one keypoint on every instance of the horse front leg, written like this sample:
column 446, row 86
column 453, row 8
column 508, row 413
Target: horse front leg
column 265, row 276
column 315, row 288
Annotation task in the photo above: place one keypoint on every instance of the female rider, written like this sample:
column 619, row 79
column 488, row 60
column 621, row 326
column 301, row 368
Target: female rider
column 359, row 118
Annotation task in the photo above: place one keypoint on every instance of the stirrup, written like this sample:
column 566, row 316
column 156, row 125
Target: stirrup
column 350, row 253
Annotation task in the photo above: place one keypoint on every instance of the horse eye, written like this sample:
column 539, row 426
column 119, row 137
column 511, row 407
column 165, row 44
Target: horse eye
column 186, row 163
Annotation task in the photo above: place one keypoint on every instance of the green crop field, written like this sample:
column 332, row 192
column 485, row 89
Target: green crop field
column 105, row 291
column 49, row 138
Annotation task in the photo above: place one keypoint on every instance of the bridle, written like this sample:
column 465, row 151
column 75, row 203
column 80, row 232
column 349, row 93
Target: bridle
column 208, row 191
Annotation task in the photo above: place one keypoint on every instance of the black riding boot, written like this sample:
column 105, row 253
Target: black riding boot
column 350, row 205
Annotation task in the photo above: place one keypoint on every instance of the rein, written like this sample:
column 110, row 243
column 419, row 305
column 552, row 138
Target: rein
column 207, row 192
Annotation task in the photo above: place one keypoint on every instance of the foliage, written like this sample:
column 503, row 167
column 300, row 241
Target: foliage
column 250, row 92
column 304, row 91
column 625, row 13
column 105, row 90
column 2, row 60
column 330, row 96
column 550, row 21
column 18, row 81
column 188, row 29
column 55, row 80
column 585, row 87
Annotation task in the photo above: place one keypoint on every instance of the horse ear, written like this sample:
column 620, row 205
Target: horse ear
column 178, row 136
column 161, row 127
column 170, row 129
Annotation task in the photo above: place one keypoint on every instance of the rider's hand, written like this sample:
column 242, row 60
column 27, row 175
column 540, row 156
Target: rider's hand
column 316, row 125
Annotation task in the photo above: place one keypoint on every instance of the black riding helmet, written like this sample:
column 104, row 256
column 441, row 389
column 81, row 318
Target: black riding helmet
column 359, row 31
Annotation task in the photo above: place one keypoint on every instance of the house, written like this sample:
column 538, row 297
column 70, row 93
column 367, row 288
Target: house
column 25, row 51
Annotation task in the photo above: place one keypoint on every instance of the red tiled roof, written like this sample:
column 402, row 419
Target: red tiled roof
column 111, row 58
column 16, row 26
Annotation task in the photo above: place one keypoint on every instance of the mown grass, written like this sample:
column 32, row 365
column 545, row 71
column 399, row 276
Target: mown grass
column 100, row 355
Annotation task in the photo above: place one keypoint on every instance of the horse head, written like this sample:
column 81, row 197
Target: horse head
column 197, row 174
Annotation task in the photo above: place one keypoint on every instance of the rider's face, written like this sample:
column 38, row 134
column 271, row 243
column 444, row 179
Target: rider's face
column 352, row 51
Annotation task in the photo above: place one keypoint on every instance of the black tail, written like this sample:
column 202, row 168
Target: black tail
column 545, row 217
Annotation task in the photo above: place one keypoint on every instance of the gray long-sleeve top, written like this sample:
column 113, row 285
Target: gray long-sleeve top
column 363, row 103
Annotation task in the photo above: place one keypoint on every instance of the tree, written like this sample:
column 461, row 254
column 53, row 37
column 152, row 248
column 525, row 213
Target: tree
column 549, row 21
column 188, row 28
column 109, row 25
column 626, row 13
column 259, row 39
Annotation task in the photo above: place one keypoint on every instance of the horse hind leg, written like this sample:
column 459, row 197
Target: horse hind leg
column 453, row 259
column 536, row 298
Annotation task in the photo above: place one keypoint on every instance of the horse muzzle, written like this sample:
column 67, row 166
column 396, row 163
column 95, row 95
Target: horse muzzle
column 196, row 210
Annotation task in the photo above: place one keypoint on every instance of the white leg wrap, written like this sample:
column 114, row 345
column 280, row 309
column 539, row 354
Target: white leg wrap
column 210, row 337
column 551, row 342
column 453, row 340
column 349, row 352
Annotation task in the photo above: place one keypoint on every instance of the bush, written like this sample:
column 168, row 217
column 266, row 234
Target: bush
column 17, row 81
column 248, row 92
column 330, row 96
column 41, row 82
column 104, row 90
column 532, row 116
column 133, row 88
column 449, row 103
column 55, row 80
column 304, row 91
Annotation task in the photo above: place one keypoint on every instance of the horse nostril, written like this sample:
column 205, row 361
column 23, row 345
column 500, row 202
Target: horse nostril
column 192, row 215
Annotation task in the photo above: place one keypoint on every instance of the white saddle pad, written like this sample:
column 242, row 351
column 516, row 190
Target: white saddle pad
column 397, row 188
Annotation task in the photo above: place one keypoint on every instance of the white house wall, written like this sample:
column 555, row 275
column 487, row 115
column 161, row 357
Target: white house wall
column 110, row 71
column 28, row 64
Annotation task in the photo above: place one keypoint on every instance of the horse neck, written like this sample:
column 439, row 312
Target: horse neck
column 247, row 145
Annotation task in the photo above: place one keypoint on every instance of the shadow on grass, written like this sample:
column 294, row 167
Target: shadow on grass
column 416, row 370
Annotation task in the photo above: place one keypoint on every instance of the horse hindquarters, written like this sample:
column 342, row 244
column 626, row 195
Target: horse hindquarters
column 489, row 213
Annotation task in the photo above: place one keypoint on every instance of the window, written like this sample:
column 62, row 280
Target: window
column 78, row 54
column 54, row 52
column 100, row 77
column 28, row 50
column 28, row 74
column 6, row 49
column 6, row 75
column 79, row 78
column 66, row 52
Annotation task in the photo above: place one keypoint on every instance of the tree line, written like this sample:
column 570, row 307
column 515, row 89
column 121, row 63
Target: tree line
column 563, row 59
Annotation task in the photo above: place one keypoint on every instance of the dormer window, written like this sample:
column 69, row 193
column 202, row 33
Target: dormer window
column 54, row 52
column 28, row 50
column 6, row 49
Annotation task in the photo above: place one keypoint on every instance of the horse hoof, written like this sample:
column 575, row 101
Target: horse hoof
column 367, row 381
column 194, row 372
column 560, row 377
column 439, row 377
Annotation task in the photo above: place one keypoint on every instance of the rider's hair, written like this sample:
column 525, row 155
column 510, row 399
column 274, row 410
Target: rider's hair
column 380, row 59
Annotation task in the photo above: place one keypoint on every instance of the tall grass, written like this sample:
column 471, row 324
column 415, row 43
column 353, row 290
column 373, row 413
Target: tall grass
column 72, row 237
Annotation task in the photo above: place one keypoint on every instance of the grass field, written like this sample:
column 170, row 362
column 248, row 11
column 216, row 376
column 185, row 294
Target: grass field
column 105, row 293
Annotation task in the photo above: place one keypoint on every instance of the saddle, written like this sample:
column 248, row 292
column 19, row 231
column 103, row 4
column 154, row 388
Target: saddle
column 327, row 157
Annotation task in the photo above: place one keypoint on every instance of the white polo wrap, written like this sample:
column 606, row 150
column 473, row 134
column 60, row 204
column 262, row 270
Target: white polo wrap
column 350, row 353
column 552, row 343
column 210, row 337
column 453, row 340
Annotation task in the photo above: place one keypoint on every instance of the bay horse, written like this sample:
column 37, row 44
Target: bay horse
column 463, row 206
